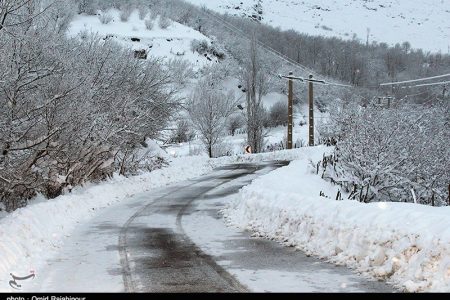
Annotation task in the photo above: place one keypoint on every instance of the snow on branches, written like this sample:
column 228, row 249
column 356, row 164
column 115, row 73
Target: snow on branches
column 399, row 154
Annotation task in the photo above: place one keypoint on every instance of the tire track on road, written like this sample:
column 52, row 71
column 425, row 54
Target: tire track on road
column 130, row 284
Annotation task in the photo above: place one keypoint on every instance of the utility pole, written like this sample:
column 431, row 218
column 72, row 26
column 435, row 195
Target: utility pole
column 310, row 81
column 290, row 118
column 311, row 112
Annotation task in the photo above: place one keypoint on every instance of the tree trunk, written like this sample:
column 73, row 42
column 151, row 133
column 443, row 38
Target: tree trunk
column 210, row 151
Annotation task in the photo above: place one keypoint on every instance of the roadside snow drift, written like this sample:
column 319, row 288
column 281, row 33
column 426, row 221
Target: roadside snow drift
column 406, row 244
column 31, row 234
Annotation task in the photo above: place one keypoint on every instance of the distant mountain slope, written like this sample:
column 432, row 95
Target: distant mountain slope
column 423, row 23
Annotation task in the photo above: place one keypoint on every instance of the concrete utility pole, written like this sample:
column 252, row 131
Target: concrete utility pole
column 290, row 118
column 311, row 112
column 310, row 81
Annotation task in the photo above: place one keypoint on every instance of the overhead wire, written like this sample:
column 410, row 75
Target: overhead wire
column 430, row 84
column 415, row 80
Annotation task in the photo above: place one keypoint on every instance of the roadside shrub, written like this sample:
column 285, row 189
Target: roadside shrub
column 164, row 22
column 278, row 114
column 105, row 18
column 125, row 13
column 148, row 24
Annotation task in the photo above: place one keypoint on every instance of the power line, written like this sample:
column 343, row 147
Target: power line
column 430, row 84
column 414, row 80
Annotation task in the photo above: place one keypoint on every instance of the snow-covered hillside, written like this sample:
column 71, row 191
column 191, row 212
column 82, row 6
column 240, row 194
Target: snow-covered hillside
column 169, row 43
column 423, row 23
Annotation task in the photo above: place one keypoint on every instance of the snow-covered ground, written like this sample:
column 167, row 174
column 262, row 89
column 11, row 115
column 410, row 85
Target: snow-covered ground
column 236, row 144
column 170, row 43
column 32, row 235
column 406, row 244
column 423, row 23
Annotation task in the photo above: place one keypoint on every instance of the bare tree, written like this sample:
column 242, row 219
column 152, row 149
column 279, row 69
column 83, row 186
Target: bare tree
column 255, row 78
column 278, row 114
column 21, row 13
column 235, row 122
column 209, row 109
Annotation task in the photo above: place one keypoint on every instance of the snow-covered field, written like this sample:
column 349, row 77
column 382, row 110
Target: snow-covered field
column 423, row 23
column 406, row 244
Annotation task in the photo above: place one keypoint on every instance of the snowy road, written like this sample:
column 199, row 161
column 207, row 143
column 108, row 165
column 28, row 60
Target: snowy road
column 174, row 240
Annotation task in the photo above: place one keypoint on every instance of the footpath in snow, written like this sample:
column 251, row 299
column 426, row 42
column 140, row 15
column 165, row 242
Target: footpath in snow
column 34, row 234
column 406, row 244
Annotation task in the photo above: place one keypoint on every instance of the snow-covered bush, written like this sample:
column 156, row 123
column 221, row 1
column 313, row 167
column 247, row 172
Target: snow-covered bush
column 87, row 6
column 74, row 110
column 83, row 34
column 142, row 11
column 278, row 114
column 164, row 22
column 223, row 149
column 199, row 46
column 148, row 24
column 202, row 47
column 153, row 14
column 181, row 70
column 235, row 122
column 125, row 12
column 182, row 133
column 395, row 154
column 105, row 18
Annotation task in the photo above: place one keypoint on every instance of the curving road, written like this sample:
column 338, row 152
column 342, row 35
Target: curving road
column 174, row 240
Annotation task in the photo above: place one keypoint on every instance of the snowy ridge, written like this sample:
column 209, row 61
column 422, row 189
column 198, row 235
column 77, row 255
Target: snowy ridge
column 32, row 234
column 406, row 244
column 423, row 23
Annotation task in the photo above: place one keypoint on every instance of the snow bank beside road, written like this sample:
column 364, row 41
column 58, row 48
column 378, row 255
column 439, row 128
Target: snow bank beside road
column 33, row 234
column 407, row 244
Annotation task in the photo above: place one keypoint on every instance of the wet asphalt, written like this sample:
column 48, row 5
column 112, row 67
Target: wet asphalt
column 157, row 255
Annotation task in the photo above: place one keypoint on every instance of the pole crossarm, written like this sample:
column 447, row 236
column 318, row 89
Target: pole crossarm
column 290, row 77
column 302, row 79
